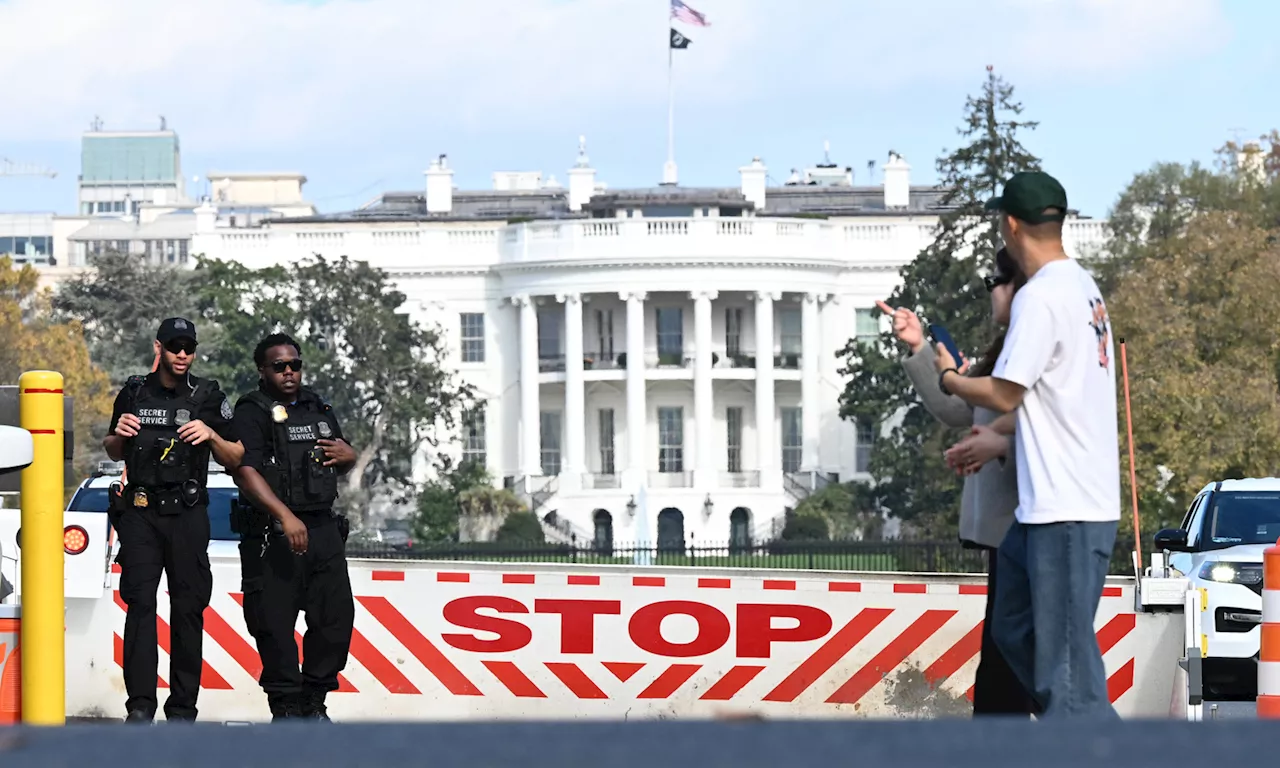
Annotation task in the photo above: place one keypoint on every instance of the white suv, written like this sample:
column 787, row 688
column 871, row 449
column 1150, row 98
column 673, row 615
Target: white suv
column 1219, row 548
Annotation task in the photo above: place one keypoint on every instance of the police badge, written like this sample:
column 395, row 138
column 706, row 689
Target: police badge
column 279, row 414
column 325, row 431
column 225, row 410
column 182, row 416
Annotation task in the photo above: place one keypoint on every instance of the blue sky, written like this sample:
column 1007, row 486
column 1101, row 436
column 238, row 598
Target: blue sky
column 360, row 94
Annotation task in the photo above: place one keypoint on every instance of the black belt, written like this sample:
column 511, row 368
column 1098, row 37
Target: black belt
column 168, row 499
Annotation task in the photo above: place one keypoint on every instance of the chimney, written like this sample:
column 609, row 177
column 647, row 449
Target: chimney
column 753, row 182
column 439, row 186
column 206, row 217
column 582, row 178
column 1250, row 163
column 897, row 182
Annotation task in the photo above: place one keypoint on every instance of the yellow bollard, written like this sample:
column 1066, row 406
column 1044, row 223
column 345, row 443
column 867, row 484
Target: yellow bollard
column 44, row 667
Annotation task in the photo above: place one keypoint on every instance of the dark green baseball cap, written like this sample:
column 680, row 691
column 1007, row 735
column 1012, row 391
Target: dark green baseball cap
column 1028, row 194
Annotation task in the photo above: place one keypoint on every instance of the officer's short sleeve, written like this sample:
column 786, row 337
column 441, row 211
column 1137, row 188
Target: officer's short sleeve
column 123, row 405
column 253, row 430
column 217, row 413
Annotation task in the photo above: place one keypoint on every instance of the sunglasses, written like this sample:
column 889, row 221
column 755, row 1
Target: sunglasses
column 180, row 346
column 995, row 281
column 280, row 366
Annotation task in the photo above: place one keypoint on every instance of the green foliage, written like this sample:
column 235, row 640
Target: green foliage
column 806, row 527
column 521, row 528
column 847, row 508
column 943, row 285
column 436, row 521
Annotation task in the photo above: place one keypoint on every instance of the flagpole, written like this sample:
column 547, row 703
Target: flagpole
column 669, row 171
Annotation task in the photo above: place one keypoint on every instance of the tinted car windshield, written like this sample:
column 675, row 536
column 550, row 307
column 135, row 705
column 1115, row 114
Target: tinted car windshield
column 1241, row 517
column 95, row 500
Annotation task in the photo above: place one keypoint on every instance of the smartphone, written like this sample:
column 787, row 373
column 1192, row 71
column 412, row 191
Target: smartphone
column 941, row 336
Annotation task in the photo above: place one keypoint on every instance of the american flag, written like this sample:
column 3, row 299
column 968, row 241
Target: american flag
column 686, row 14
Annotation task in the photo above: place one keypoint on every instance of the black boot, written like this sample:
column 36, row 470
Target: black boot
column 284, row 707
column 140, row 717
column 313, row 706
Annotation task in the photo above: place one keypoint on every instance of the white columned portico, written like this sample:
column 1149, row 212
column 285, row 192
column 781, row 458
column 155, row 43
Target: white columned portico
column 574, row 394
column 703, row 398
column 530, row 411
column 768, row 452
column 810, row 348
column 634, row 474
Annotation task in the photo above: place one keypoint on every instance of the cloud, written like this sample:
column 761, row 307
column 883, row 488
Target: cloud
column 257, row 74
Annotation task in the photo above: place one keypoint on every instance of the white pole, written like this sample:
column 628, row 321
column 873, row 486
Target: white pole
column 669, row 170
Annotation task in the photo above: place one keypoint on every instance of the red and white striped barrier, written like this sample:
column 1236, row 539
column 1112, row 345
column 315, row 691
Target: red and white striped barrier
column 1269, row 651
column 499, row 641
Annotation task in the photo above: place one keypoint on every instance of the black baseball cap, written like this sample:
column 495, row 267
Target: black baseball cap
column 1028, row 194
column 176, row 328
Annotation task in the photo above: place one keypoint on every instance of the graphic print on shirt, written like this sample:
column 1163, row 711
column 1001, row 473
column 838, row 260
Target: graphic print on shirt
column 1101, row 325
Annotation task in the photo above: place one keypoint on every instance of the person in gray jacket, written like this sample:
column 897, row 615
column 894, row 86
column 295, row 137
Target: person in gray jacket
column 990, row 493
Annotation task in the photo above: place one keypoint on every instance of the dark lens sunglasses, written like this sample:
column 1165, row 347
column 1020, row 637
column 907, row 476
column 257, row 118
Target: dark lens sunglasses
column 995, row 281
column 294, row 365
column 180, row 346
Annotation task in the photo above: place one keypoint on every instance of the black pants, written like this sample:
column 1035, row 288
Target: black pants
column 996, row 689
column 279, row 584
column 178, row 546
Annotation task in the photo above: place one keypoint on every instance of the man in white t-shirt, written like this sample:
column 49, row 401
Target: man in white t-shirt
column 1057, row 374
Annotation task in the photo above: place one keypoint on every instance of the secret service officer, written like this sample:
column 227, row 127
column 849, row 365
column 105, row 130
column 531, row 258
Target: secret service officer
column 164, row 426
column 293, row 544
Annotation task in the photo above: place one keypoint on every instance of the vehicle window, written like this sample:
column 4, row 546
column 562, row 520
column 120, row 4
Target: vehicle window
column 89, row 500
column 1239, row 517
column 1191, row 513
column 95, row 500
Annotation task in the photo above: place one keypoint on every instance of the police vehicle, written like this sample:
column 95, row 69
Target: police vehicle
column 1219, row 547
column 90, row 543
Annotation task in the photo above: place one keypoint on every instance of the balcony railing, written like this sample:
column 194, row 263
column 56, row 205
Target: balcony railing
column 604, row 361
column 670, row 479
column 740, row 479
column 682, row 359
column 551, row 363
column 788, row 361
column 599, row 482
column 737, row 358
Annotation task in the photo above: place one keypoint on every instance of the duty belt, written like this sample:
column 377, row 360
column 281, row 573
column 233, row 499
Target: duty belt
column 167, row 500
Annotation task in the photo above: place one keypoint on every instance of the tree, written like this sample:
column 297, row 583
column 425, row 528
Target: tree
column 521, row 528
column 809, row 526
column 1195, row 296
column 943, row 284
column 847, row 509
column 35, row 340
column 438, row 507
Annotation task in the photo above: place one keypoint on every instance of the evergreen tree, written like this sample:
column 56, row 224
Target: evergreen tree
column 943, row 285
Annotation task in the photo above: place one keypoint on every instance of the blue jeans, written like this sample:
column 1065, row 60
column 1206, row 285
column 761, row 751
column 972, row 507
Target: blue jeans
column 1051, row 580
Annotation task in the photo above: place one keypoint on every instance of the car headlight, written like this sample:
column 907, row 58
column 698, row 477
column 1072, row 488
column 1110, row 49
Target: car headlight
column 1248, row 574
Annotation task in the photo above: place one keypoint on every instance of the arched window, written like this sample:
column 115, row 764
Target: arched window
column 603, row 543
column 739, row 530
column 670, row 530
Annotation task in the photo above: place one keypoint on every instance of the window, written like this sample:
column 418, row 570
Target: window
column 789, row 326
column 604, row 333
column 473, row 438
column 550, row 443
column 862, row 454
column 866, row 325
column 472, row 337
column 733, row 331
column 670, row 439
column 550, row 323
column 733, row 426
column 792, row 440
column 670, row 335
column 605, row 420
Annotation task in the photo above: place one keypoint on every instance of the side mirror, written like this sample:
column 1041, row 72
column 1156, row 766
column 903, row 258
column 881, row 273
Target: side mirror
column 16, row 449
column 1172, row 539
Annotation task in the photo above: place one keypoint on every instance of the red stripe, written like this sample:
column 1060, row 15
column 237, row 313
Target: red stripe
column 950, row 662
column 969, row 694
column 34, row 391
column 648, row 581
column 670, row 681
column 115, row 568
column 585, row 581
column 379, row 666
column 844, row 586
column 515, row 681
column 43, row 431
column 422, row 648
column 1115, row 630
column 209, row 678
column 713, row 583
column 119, row 653
column 575, row 680
column 890, row 657
column 623, row 670
column 517, row 578
column 344, row 686
column 457, row 578
column 973, row 589
column 1120, row 683
column 1112, row 592
column 388, row 575
column 910, row 589
column 231, row 642
column 733, row 681
column 831, row 651
column 779, row 584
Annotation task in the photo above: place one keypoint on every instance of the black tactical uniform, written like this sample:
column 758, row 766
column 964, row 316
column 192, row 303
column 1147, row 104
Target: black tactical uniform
column 280, row 443
column 162, row 517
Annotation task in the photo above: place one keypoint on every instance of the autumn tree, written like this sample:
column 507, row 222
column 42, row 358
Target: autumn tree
column 943, row 284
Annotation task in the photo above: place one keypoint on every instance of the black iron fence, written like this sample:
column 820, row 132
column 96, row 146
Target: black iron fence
column 887, row 555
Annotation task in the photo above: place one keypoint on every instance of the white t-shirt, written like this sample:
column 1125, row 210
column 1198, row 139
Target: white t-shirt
column 1059, row 347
